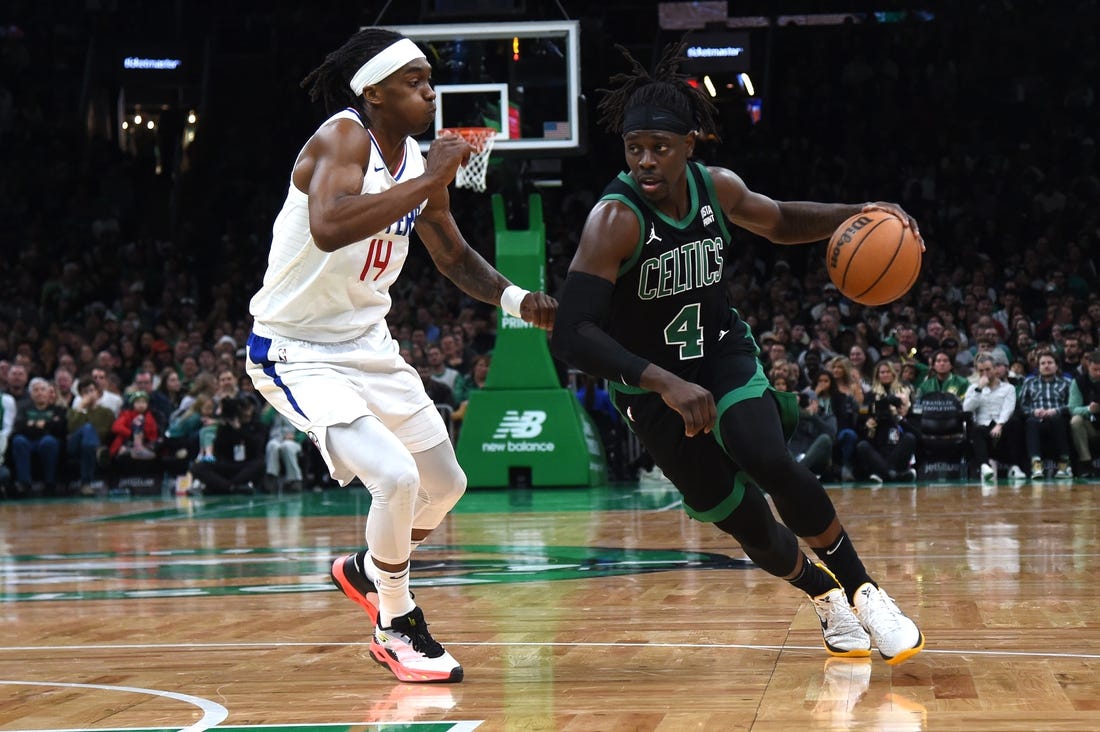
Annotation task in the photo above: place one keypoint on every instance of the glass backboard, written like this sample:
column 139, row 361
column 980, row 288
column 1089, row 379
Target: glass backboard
column 521, row 78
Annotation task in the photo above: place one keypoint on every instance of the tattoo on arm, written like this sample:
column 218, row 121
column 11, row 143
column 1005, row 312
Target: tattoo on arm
column 476, row 277
column 809, row 221
column 462, row 265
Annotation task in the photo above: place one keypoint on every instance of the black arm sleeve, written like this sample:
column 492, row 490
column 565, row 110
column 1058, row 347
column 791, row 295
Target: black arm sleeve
column 579, row 338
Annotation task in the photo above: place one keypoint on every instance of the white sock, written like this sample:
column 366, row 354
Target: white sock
column 365, row 564
column 393, row 595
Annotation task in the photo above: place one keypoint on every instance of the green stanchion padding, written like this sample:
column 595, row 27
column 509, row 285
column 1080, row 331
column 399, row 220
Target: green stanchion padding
column 523, row 425
column 521, row 348
column 545, row 434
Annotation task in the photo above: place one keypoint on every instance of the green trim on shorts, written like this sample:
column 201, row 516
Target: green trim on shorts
column 788, row 411
column 756, row 385
column 625, row 388
column 728, row 505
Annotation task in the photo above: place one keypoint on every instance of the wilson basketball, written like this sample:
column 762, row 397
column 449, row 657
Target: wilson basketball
column 872, row 259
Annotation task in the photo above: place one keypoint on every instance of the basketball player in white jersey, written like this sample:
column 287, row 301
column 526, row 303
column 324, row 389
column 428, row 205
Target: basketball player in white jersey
column 321, row 351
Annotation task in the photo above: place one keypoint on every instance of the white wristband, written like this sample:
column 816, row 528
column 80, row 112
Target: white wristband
column 511, row 299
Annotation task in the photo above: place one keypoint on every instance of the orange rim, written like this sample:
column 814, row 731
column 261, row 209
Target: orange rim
column 476, row 136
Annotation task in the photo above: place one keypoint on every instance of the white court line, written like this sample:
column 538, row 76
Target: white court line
column 490, row 644
column 213, row 713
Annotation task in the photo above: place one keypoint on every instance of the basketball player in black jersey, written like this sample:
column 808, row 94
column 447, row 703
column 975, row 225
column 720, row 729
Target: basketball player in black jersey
column 644, row 307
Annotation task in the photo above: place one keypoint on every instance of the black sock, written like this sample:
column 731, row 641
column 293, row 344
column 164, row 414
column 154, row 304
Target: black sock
column 813, row 580
column 842, row 560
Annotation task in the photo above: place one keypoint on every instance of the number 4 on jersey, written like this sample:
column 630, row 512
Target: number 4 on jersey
column 684, row 331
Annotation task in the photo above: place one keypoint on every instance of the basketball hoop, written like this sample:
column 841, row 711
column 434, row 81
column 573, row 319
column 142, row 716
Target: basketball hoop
column 472, row 174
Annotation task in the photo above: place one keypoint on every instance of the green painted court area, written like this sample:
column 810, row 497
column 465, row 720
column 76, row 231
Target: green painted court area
column 105, row 575
column 355, row 500
column 250, row 571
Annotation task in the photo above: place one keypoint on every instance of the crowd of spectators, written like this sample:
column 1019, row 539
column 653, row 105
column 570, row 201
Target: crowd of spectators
column 123, row 279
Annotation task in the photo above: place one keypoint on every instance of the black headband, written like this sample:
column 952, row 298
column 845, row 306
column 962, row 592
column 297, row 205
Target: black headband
column 652, row 117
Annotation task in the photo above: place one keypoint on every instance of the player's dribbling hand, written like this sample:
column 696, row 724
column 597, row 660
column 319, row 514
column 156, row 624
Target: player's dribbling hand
column 539, row 309
column 446, row 154
column 896, row 210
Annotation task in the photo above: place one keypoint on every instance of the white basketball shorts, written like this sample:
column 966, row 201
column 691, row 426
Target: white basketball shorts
column 320, row 385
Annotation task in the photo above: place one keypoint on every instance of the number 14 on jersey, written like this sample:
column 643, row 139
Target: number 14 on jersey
column 378, row 257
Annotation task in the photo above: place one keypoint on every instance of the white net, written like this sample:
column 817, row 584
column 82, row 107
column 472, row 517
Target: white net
column 472, row 174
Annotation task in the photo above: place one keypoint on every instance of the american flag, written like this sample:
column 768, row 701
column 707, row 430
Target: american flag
column 555, row 130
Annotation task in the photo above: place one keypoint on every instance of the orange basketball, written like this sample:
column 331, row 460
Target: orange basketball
column 872, row 259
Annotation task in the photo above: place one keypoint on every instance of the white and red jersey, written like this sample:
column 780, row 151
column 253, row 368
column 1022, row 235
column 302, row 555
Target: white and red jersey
column 328, row 297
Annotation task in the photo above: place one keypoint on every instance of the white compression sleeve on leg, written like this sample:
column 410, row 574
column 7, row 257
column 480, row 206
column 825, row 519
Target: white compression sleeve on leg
column 442, row 483
column 388, row 471
column 366, row 448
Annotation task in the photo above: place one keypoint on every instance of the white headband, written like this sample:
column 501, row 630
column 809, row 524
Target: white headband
column 384, row 63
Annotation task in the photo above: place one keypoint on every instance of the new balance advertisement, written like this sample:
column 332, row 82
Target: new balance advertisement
column 544, row 430
column 524, row 428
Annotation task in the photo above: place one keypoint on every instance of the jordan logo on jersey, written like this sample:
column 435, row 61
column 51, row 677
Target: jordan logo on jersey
column 652, row 235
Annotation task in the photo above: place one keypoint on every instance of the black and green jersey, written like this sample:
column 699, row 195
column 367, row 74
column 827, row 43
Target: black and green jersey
column 669, row 304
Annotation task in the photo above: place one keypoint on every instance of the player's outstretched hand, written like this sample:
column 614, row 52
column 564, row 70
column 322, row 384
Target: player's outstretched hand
column 539, row 309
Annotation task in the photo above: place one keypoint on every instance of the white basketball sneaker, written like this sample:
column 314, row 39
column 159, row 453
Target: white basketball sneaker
column 896, row 636
column 843, row 635
column 408, row 650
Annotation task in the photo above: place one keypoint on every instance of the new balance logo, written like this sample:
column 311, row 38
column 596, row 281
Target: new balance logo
column 652, row 235
column 519, row 425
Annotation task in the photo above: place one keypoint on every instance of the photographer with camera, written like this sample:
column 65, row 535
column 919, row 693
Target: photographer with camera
column 239, row 443
column 886, row 449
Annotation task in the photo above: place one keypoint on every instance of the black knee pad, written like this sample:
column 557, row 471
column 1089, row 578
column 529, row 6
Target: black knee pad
column 798, row 495
column 769, row 544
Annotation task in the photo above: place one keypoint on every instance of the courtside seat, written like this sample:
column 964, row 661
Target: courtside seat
column 943, row 437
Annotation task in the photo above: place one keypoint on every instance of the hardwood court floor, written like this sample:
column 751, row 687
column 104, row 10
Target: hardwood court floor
column 570, row 609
